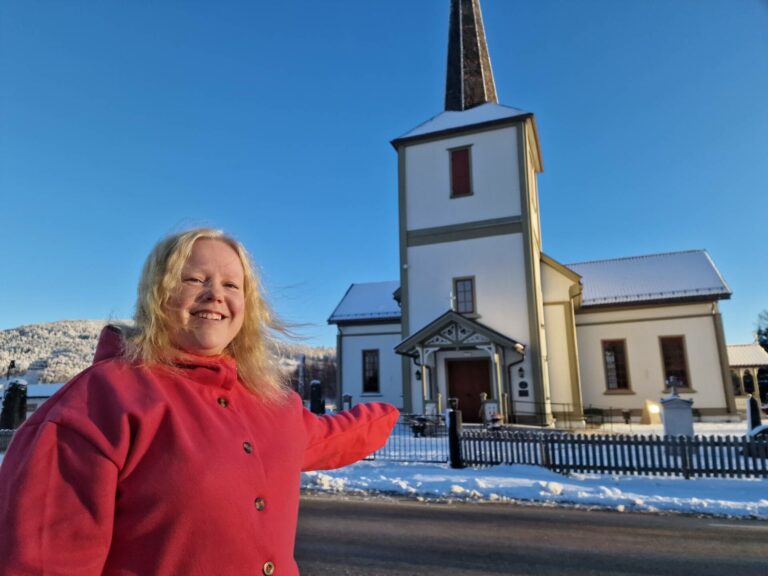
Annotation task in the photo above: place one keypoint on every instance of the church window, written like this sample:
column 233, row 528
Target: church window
column 464, row 295
column 371, row 372
column 461, row 173
column 675, row 364
column 615, row 360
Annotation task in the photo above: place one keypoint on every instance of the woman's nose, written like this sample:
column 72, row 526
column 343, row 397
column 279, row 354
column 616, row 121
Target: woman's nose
column 213, row 293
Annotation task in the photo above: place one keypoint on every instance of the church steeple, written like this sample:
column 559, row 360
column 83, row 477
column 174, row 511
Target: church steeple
column 469, row 80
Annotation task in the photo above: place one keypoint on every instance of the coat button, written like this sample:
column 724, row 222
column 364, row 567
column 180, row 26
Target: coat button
column 248, row 447
column 222, row 401
column 260, row 504
column 269, row 568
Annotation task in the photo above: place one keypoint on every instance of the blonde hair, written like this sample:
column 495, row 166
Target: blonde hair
column 150, row 341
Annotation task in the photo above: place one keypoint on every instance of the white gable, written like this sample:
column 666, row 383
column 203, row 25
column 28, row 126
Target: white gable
column 450, row 120
column 368, row 301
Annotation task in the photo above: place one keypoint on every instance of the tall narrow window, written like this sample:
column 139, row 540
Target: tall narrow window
column 464, row 293
column 371, row 372
column 461, row 175
column 615, row 359
column 675, row 365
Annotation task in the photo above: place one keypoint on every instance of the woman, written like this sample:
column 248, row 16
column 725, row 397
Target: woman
column 179, row 451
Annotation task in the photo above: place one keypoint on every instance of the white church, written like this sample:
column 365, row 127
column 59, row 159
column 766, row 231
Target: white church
column 482, row 315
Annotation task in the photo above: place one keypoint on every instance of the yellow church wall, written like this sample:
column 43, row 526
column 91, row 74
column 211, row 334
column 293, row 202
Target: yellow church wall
column 558, row 356
column 562, row 359
column 641, row 330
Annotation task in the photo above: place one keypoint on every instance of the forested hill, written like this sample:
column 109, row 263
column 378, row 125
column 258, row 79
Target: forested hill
column 56, row 351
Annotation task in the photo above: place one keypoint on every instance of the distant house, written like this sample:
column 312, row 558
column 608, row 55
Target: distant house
column 479, row 311
column 749, row 372
column 37, row 394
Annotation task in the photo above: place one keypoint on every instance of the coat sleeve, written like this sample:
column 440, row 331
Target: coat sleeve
column 339, row 440
column 57, row 501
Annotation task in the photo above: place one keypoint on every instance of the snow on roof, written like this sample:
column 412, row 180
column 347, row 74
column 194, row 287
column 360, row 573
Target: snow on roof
column 449, row 120
column 650, row 278
column 368, row 301
column 747, row 355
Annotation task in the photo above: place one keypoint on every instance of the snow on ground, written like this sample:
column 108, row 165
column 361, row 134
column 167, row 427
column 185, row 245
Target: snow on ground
column 746, row 498
column 732, row 497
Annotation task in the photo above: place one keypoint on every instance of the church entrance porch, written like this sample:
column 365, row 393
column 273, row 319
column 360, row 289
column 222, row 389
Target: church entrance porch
column 455, row 356
column 467, row 380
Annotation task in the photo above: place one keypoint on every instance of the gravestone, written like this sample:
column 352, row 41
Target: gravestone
column 677, row 414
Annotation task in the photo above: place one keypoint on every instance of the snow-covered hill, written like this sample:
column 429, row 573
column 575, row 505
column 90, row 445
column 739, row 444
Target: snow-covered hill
column 56, row 351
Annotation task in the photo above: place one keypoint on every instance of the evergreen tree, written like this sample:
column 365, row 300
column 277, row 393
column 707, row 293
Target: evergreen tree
column 762, row 329
column 14, row 410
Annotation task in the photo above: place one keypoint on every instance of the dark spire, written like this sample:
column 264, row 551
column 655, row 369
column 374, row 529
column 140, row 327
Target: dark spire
column 469, row 81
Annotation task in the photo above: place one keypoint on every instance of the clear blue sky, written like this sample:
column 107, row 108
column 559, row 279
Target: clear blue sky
column 123, row 121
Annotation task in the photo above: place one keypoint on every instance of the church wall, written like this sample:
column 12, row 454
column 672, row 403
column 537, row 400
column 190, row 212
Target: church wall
column 368, row 329
column 584, row 317
column 559, row 358
column 496, row 264
column 381, row 337
column 641, row 330
column 495, row 180
column 562, row 356
column 537, row 352
column 554, row 285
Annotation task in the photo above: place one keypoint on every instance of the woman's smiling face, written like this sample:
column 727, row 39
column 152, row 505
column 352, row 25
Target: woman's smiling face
column 207, row 311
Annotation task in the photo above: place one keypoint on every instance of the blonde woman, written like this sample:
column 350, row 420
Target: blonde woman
column 179, row 451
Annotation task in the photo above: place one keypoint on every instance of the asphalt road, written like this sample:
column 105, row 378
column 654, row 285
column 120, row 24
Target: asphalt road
column 402, row 537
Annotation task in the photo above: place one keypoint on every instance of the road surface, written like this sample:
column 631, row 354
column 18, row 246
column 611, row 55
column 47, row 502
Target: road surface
column 393, row 537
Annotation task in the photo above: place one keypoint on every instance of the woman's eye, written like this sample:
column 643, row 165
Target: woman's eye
column 192, row 280
column 232, row 285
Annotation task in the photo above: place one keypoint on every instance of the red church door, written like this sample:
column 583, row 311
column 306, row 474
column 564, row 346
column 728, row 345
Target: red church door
column 467, row 379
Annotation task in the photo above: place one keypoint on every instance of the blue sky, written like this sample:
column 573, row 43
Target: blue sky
column 123, row 121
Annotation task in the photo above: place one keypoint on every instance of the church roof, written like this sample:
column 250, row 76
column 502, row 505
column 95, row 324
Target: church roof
column 650, row 279
column 747, row 355
column 654, row 278
column 368, row 302
column 449, row 121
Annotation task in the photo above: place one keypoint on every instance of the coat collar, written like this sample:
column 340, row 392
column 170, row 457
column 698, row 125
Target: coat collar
column 220, row 371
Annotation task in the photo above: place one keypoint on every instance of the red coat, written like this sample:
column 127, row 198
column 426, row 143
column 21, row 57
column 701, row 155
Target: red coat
column 138, row 471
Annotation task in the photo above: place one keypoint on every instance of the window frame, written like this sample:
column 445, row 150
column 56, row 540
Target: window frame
column 618, row 390
column 686, row 365
column 451, row 151
column 473, row 284
column 365, row 354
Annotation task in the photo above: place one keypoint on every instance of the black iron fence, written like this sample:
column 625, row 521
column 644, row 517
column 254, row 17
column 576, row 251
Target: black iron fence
column 416, row 438
column 697, row 456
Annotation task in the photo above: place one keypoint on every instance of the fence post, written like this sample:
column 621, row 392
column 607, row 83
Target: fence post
column 454, row 435
column 544, row 451
column 686, row 456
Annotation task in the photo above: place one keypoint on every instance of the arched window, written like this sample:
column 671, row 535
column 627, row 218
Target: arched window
column 749, row 383
column 762, row 382
column 736, row 382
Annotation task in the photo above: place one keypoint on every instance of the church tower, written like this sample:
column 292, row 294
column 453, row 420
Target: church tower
column 470, row 246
